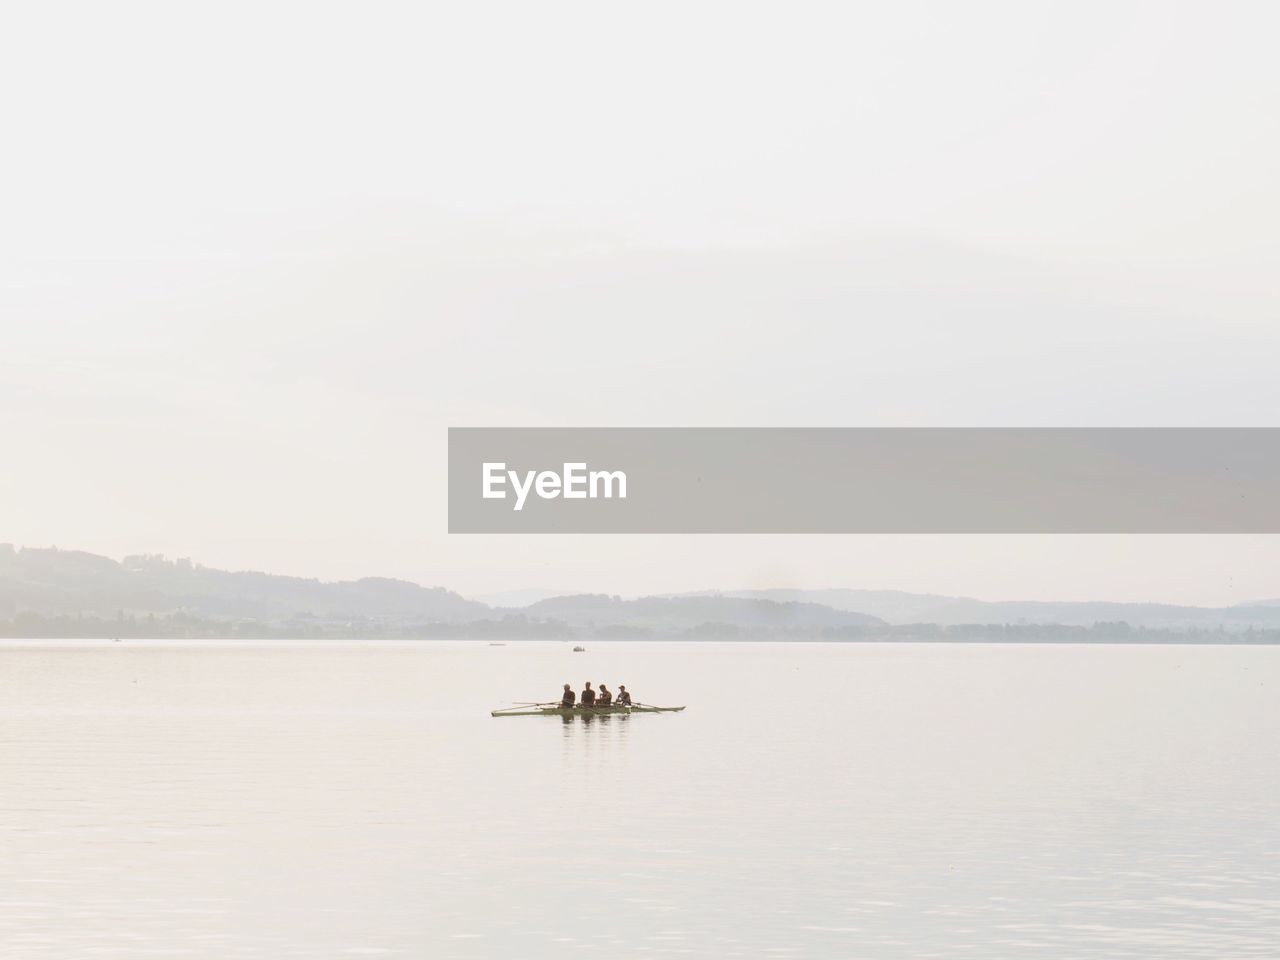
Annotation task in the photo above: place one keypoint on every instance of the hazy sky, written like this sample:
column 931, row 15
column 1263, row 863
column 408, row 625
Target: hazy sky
column 257, row 257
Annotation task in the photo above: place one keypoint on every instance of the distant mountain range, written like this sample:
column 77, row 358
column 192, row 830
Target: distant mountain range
column 60, row 582
column 46, row 592
column 709, row 615
column 897, row 607
column 51, row 592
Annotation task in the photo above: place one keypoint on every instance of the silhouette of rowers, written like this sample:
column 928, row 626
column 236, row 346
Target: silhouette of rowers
column 592, row 698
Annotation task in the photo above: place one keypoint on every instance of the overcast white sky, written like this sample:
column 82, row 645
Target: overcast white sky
column 257, row 257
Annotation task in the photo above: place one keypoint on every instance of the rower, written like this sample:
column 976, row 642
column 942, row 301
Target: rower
column 606, row 698
column 568, row 697
column 588, row 696
column 624, row 698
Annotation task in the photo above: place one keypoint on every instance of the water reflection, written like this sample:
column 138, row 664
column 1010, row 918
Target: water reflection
column 589, row 718
column 327, row 802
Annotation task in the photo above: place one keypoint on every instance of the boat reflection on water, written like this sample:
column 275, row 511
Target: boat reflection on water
column 594, row 733
column 568, row 718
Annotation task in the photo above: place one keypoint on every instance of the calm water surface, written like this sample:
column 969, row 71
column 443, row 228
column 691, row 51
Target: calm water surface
column 815, row 800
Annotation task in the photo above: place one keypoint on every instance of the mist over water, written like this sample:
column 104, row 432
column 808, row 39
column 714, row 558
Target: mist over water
column 233, row 800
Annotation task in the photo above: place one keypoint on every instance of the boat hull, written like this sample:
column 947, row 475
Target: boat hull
column 581, row 711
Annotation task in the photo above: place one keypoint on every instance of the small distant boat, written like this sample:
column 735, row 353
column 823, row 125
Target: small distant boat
column 554, row 710
column 579, row 649
column 497, row 644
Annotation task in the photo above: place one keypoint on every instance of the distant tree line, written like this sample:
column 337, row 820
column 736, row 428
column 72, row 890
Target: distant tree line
column 1103, row 632
column 182, row 626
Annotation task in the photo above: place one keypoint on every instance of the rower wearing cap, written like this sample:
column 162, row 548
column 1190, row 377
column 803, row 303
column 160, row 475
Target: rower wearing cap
column 566, row 700
column 624, row 698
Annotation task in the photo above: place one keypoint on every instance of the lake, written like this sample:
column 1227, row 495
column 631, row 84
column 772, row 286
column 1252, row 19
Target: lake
column 233, row 800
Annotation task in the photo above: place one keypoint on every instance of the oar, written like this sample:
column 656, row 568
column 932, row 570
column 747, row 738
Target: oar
column 523, row 706
column 546, row 703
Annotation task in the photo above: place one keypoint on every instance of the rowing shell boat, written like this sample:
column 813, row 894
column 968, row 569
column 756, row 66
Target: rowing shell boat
column 540, row 710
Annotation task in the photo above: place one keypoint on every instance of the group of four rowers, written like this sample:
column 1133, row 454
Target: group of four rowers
column 589, row 697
